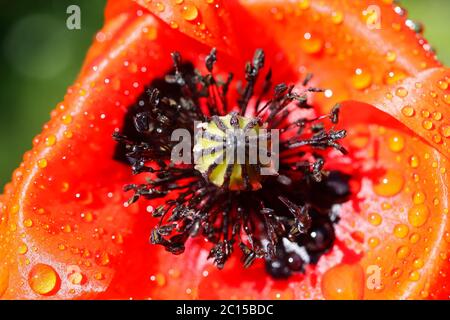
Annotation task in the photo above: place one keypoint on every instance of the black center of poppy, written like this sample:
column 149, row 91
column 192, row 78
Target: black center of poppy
column 286, row 217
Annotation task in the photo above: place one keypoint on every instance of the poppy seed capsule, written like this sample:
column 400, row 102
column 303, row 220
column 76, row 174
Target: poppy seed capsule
column 231, row 151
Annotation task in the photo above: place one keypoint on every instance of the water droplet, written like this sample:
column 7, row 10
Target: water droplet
column 401, row 231
column 311, row 44
column 102, row 259
column 414, row 238
column 408, row 111
column 66, row 228
column 403, row 252
column 375, row 219
column 390, row 184
column 396, row 143
column 160, row 6
column 437, row 115
column 419, row 197
column 373, row 242
column 446, row 98
column 337, row 17
column 401, row 92
column 87, row 217
column 76, row 278
column 418, row 263
column 361, row 79
column 391, row 56
column 414, row 161
column 343, row 282
column 414, row 276
column 303, row 4
column 393, row 77
column 151, row 33
column 442, row 84
column 189, row 12
column 445, row 130
column 117, row 238
column 418, row 215
column 43, row 279
column 28, row 223
column 22, row 249
column 160, row 279
column 427, row 124
column 50, row 140
column 99, row 276
column 68, row 134
column 396, row 273
column 42, row 163
column 66, row 119
column 173, row 24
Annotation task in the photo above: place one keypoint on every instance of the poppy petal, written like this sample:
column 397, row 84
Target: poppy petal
column 421, row 103
column 64, row 228
column 349, row 46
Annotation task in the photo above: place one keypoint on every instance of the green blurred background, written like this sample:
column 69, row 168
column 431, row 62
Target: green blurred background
column 40, row 57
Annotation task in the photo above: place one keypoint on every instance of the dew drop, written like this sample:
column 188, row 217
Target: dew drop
column 373, row 242
column 87, row 216
column 28, row 223
column 414, row 238
column 396, row 143
column 390, row 184
column 67, row 119
column 414, row 161
column 443, row 84
column 337, row 17
column 160, row 6
column 418, row 215
column 50, row 140
column 43, row 279
column 311, row 44
column 418, row 197
column 445, row 130
column 401, row 231
column 394, row 76
column 343, row 282
column 189, row 12
column 391, row 56
column 446, row 98
column 401, row 92
column 22, row 249
column 102, row 259
column 76, row 278
column 427, row 124
column 418, row 263
column 42, row 163
column 403, row 252
column 303, row 4
column 375, row 219
column 414, row 276
column 361, row 79
column 408, row 111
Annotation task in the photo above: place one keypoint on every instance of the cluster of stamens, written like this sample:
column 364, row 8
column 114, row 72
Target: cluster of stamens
column 278, row 216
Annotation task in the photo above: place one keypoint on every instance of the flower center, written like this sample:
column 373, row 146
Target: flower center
column 232, row 152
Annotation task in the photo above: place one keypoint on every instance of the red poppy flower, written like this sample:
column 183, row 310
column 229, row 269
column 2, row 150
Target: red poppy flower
column 67, row 231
